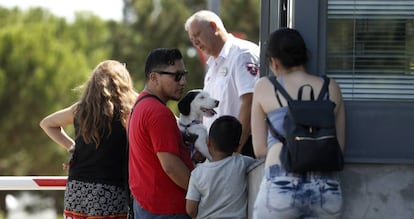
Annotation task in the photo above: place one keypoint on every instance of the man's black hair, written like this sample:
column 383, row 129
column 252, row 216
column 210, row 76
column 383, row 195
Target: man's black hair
column 161, row 58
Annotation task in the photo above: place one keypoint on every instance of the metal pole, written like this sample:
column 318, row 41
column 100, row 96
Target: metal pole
column 214, row 6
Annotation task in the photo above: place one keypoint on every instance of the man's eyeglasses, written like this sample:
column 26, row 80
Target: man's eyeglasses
column 177, row 75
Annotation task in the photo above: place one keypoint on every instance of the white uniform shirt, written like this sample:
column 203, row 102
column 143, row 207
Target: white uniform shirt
column 233, row 73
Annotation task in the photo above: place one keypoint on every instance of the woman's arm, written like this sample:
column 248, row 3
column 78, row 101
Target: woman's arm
column 53, row 125
column 336, row 96
column 258, row 123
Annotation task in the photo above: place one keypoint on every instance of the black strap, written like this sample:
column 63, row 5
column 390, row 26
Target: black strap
column 141, row 98
column 272, row 129
column 312, row 95
column 273, row 81
column 279, row 87
column 129, row 125
column 129, row 196
column 275, row 133
column 324, row 89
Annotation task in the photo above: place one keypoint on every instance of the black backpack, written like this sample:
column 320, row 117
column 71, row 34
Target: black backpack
column 310, row 143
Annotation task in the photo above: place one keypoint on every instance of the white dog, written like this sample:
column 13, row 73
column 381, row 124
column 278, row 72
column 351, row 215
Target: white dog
column 193, row 106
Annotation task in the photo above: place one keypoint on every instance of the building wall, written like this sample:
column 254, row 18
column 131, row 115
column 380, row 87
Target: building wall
column 370, row 191
column 378, row 180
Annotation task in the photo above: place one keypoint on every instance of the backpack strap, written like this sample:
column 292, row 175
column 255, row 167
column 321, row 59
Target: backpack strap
column 129, row 121
column 312, row 95
column 324, row 89
column 129, row 195
column 279, row 87
column 272, row 129
column 275, row 133
column 141, row 98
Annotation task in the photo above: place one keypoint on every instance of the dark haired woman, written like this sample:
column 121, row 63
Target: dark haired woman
column 283, row 194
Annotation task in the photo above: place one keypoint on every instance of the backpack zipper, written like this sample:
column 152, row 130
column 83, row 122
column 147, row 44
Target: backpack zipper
column 299, row 138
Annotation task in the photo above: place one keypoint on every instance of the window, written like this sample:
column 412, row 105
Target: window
column 370, row 48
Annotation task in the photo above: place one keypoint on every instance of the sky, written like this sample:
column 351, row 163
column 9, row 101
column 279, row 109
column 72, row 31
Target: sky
column 106, row 9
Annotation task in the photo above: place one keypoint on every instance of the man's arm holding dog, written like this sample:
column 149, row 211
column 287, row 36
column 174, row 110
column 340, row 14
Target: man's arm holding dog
column 174, row 168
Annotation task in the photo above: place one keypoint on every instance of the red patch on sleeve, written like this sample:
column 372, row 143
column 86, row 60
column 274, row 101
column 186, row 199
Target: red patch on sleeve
column 253, row 68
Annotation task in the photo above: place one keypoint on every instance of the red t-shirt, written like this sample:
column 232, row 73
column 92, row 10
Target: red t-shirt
column 153, row 128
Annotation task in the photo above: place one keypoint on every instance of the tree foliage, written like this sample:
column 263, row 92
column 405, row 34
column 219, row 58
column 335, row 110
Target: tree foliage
column 43, row 58
column 242, row 17
column 160, row 23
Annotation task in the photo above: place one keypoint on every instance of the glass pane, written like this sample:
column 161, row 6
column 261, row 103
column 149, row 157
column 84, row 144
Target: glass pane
column 370, row 48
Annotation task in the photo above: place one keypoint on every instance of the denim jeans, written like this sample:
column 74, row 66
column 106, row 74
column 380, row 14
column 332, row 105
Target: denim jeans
column 285, row 195
column 141, row 213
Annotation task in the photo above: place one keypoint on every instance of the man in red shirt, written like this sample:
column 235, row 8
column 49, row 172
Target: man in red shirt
column 159, row 163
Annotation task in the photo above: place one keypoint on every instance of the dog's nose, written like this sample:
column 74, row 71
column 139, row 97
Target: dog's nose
column 216, row 102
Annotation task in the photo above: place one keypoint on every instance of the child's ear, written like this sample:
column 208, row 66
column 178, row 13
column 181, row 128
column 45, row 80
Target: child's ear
column 209, row 144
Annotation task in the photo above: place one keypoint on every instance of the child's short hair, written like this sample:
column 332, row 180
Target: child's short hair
column 225, row 134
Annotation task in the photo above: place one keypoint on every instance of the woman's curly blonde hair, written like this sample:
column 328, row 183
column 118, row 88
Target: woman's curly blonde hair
column 108, row 95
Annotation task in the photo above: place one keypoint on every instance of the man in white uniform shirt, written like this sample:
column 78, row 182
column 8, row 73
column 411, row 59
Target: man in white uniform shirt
column 233, row 68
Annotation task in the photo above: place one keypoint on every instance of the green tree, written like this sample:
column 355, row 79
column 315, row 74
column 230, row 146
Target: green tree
column 160, row 23
column 42, row 58
column 242, row 16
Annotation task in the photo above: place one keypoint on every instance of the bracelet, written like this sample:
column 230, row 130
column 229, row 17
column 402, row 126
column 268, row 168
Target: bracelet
column 71, row 149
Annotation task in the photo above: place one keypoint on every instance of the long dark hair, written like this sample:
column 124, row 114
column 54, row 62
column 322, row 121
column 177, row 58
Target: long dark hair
column 288, row 46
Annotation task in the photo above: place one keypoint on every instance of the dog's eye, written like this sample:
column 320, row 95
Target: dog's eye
column 202, row 97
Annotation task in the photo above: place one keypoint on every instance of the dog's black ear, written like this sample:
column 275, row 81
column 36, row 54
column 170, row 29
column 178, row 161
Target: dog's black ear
column 185, row 102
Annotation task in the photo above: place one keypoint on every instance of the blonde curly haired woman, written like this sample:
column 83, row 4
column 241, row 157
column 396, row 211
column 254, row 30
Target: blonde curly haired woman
column 96, row 181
